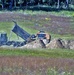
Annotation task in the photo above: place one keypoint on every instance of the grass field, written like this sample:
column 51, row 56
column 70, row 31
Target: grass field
column 54, row 53
column 36, row 62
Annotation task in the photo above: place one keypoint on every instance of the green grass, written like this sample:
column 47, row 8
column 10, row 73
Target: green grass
column 67, row 36
column 6, row 27
column 54, row 53
column 53, row 71
column 59, row 13
column 64, row 13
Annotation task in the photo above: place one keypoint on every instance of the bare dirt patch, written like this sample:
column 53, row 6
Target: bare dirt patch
column 51, row 23
column 22, row 64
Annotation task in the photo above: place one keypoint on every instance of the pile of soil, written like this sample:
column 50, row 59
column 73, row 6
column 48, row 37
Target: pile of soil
column 54, row 44
column 60, row 43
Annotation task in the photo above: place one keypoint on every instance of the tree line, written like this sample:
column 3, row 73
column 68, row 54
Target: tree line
column 10, row 4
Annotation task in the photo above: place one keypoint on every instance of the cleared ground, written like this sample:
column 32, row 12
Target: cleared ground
column 20, row 65
column 47, row 22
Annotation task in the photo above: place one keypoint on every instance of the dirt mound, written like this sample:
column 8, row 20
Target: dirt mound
column 60, row 43
column 34, row 44
column 55, row 43
column 71, row 44
column 68, row 44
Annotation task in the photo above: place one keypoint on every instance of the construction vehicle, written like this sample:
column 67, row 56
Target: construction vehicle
column 20, row 33
column 44, row 36
column 3, row 38
column 27, row 37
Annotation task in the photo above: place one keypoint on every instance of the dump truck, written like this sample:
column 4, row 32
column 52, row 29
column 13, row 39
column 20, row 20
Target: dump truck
column 27, row 37
column 23, row 34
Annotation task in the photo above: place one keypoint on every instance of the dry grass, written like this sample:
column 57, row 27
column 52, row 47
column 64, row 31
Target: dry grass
column 22, row 65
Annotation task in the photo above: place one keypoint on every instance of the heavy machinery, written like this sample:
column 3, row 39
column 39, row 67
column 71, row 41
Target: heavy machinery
column 20, row 33
column 3, row 38
column 24, row 35
column 45, row 37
